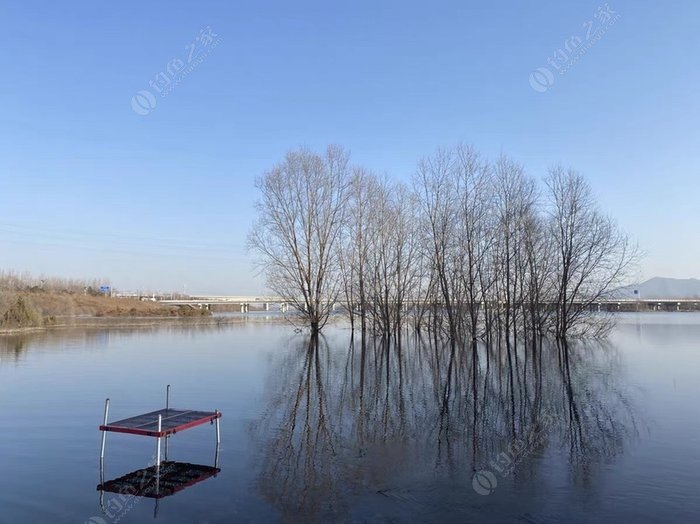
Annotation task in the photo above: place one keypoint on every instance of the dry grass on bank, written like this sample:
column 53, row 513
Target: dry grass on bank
column 69, row 304
column 27, row 301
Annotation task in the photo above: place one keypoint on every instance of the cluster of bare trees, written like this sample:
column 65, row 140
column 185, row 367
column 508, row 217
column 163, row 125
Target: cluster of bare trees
column 472, row 248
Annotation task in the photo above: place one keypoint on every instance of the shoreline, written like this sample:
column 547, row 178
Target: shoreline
column 86, row 322
column 125, row 322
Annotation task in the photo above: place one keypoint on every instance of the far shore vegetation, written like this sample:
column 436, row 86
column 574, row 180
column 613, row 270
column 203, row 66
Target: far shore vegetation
column 28, row 302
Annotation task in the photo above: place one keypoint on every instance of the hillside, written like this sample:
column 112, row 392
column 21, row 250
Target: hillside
column 29, row 301
column 39, row 308
column 662, row 288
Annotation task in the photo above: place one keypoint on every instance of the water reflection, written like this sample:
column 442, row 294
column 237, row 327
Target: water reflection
column 155, row 482
column 14, row 346
column 394, row 420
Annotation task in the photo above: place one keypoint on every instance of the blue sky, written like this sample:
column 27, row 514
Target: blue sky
column 88, row 187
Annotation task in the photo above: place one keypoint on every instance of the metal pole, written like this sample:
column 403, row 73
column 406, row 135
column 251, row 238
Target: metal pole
column 218, row 431
column 160, row 423
column 160, row 426
column 102, row 482
column 104, row 433
column 167, row 407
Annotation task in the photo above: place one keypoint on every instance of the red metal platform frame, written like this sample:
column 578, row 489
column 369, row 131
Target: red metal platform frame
column 172, row 421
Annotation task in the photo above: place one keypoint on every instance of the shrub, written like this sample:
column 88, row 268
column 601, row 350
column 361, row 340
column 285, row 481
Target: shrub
column 21, row 314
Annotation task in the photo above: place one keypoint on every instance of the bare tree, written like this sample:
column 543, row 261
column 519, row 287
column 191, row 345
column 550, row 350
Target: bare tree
column 475, row 231
column 392, row 255
column 435, row 186
column 539, row 286
column 592, row 255
column 514, row 202
column 353, row 263
column 297, row 234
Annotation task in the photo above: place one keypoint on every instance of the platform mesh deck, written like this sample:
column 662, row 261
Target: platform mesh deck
column 174, row 477
column 173, row 420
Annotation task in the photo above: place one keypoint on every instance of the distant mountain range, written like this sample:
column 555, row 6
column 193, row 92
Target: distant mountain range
column 663, row 288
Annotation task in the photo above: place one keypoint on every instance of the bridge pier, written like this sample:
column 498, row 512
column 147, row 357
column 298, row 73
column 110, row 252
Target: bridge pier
column 267, row 306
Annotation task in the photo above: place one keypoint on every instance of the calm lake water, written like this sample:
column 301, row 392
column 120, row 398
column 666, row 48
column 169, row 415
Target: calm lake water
column 341, row 433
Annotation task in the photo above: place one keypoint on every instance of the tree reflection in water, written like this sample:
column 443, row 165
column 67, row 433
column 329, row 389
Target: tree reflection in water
column 374, row 417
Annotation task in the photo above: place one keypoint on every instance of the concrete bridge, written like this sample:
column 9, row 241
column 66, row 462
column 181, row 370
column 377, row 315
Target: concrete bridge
column 225, row 300
column 649, row 304
column 267, row 302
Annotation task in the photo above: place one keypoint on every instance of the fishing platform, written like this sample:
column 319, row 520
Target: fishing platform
column 160, row 423
column 163, row 478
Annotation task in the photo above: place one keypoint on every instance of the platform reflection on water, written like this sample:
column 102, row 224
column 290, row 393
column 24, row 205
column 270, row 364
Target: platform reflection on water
column 152, row 483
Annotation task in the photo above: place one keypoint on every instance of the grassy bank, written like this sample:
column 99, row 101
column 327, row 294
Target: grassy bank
column 31, row 309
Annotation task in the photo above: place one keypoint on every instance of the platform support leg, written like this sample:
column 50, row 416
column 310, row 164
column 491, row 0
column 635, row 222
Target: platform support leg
column 104, row 433
column 160, row 425
column 218, row 429
column 102, row 458
column 167, row 407
column 102, row 482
